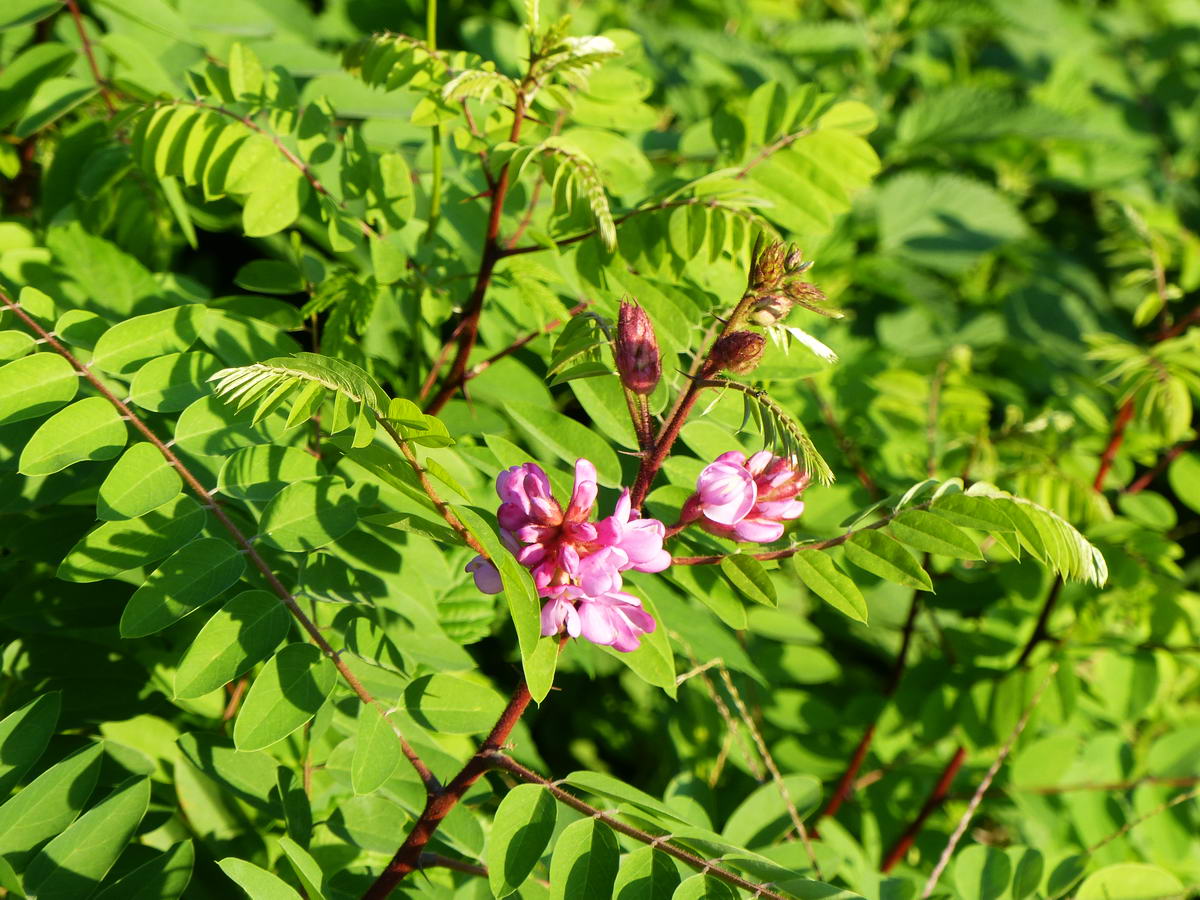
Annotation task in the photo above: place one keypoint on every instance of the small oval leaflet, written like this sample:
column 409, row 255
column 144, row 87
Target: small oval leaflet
column 89, row 429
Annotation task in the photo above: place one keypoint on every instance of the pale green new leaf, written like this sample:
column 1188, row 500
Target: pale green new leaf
column 89, row 429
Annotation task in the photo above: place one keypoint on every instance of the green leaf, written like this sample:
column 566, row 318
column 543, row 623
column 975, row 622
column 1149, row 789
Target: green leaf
column 307, row 869
column 567, row 439
column 165, row 877
column 74, row 863
column 24, row 734
column 173, row 382
column 308, row 515
column 209, row 427
column 117, row 547
column 702, row 887
column 982, row 873
column 141, row 480
column 287, row 693
column 762, row 818
column 27, row 70
column 1184, row 477
column 748, row 575
column 26, row 12
column 884, row 556
column 585, row 861
column 258, row 883
column 523, row 604
column 251, row 776
column 279, row 194
column 824, row 579
column 130, row 344
column 973, row 512
column 375, row 751
column 269, row 276
column 521, row 830
column 49, row 803
column 34, row 385
column 444, row 703
column 14, row 345
column 646, row 874
column 260, row 472
column 51, row 101
column 927, row 532
column 653, row 661
column 1027, row 872
column 241, row 634
column 89, row 429
column 193, row 575
column 1130, row 881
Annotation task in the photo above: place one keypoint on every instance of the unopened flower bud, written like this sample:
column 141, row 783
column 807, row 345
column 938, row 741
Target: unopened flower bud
column 637, row 354
column 794, row 259
column 769, row 309
column 768, row 267
column 739, row 352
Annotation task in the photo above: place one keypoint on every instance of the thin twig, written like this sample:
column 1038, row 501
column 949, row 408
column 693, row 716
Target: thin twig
column 105, row 93
column 1040, row 632
column 771, row 149
column 1147, row 478
column 776, row 776
column 1134, row 823
column 207, row 500
column 961, row 828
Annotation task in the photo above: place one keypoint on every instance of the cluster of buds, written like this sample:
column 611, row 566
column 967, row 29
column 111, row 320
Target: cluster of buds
column 576, row 563
column 747, row 499
column 777, row 285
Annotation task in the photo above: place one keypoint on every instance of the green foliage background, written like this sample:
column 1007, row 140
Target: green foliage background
column 1001, row 197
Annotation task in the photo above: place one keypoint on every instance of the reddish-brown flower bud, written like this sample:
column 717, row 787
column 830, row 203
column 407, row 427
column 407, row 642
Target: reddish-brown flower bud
column 739, row 352
column 768, row 267
column 637, row 355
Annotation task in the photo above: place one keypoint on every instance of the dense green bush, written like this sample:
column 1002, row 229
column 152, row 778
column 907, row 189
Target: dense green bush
column 285, row 289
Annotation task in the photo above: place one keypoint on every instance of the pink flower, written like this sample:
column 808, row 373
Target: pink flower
column 747, row 500
column 726, row 489
column 597, row 608
column 639, row 540
column 576, row 563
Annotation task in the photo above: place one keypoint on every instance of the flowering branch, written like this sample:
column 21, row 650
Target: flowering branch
column 209, row 502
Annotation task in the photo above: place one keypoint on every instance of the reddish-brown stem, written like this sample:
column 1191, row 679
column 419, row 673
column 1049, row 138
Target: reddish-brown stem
column 1124, row 415
column 468, row 328
column 1147, row 478
column 1181, row 325
column 846, row 783
column 236, row 691
column 439, row 803
column 659, row 842
column 207, row 500
column 940, row 790
column 653, row 461
column 436, row 861
column 73, row 6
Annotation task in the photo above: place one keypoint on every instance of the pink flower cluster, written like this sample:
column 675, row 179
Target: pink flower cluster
column 576, row 563
column 746, row 499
